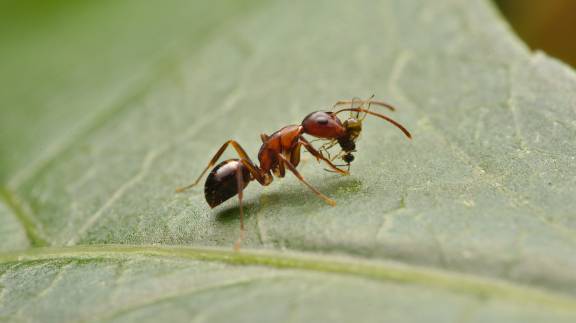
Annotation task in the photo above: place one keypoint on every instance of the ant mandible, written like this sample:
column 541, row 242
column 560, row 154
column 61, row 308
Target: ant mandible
column 281, row 150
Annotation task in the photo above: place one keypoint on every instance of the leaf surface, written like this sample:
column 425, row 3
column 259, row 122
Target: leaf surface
column 125, row 110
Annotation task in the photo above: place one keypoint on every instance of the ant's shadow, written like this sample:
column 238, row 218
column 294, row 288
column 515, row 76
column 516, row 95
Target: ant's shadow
column 333, row 188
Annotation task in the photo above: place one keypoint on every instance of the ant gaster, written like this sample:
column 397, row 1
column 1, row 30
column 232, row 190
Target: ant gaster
column 281, row 151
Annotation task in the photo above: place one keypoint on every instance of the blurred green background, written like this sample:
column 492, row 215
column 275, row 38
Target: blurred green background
column 549, row 25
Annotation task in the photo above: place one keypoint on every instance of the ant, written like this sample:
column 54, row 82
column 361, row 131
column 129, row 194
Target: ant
column 281, row 150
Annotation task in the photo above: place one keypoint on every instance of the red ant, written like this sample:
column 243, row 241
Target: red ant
column 281, row 150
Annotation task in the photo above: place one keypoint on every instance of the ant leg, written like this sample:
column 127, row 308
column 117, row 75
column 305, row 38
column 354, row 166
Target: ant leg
column 262, row 178
column 240, row 183
column 319, row 156
column 257, row 173
column 297, row 174
column 239, row 150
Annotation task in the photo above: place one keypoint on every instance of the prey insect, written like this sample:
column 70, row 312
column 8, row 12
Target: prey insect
column 281, row 151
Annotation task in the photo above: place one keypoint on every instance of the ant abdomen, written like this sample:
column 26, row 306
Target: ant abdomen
column 222, row 182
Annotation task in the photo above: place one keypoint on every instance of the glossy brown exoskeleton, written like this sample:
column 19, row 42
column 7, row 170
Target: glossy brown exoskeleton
column 281, row 151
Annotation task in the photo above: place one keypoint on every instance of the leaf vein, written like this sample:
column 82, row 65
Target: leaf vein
column 145, row 168
column 177, row 295
column 22, row 212
column 493, row 180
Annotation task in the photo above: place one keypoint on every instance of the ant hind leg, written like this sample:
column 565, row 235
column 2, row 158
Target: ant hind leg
column 240, row 183
column 239, row 150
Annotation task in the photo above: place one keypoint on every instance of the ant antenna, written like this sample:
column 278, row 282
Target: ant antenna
column 381, row 116
column 353, row 105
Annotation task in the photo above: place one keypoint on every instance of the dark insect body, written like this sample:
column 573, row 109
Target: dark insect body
column 221, row 183
column 281, row 151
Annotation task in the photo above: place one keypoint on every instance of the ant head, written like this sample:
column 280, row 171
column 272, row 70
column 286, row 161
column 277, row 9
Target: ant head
column 323, row 124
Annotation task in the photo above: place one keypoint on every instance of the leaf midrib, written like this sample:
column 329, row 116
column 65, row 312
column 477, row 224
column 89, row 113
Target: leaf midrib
column 474, row 286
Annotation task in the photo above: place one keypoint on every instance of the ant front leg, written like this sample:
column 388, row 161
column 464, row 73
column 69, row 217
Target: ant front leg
column 243, row 156
column 319, row 156
column 291, row 167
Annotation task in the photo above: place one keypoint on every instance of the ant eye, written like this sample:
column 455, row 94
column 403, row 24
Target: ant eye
column 322, row 121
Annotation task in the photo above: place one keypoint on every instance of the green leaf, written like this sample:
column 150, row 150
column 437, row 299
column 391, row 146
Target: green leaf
column 12, row 233
column 121, row 283
column 112, row 105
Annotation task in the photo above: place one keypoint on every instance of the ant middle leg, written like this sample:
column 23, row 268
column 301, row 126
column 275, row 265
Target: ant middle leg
column 299, row 176
column 239, row 150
